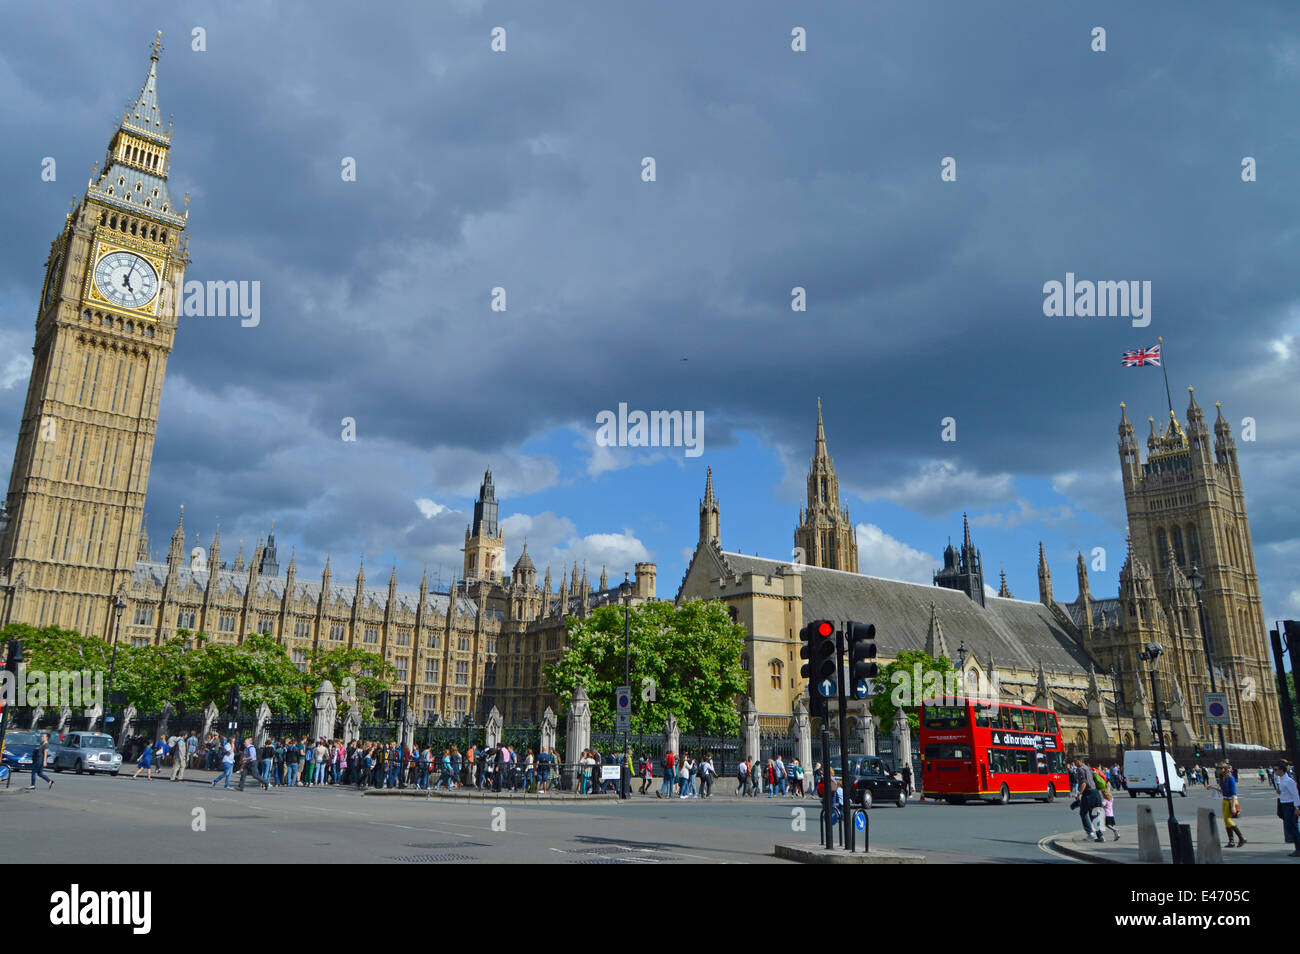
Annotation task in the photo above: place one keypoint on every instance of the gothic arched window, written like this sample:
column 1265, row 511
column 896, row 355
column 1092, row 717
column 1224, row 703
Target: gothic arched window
column 1178, row 547
column 774, row 670
column 1194, row 544
column 1162, row 545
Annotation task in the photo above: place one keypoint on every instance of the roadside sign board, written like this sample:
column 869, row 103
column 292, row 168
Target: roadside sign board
column 610, row 773
column 623, row 709
column 1216, row 708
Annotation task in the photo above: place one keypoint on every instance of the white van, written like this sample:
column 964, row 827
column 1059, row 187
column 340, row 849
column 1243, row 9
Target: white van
column 1142, row 773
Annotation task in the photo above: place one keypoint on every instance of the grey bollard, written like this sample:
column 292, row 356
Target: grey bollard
column 1209, row 850
column 1148, row 837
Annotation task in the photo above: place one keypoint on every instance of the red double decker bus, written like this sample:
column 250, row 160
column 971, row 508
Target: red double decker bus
column 995, row 752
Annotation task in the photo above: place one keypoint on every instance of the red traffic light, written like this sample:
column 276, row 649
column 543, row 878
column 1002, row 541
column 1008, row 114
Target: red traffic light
column 825, row 628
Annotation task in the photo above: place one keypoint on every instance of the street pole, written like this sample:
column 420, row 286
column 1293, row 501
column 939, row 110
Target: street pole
column 1114, row 691
column 1179, row 848
column 627, row 681
column 119, row 605
column 827, row 798
column 1209, row 663
column 1284, row 697
column 844, row 732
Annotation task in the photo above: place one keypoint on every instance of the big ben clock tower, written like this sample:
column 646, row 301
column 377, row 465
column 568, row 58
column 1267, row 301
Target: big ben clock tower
column 104, row 328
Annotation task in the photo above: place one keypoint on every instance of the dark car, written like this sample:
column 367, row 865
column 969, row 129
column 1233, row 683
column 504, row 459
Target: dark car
column 871, row 781
column 19, row 744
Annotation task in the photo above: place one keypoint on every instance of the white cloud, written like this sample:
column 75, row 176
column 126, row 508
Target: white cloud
column 555, row 540
column 879, row 554
column 1025, row 512
column 429, row 508
column 935, row 486
column 17, row 368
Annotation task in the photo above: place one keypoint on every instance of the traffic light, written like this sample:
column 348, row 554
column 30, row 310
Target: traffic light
column 399, row 708
column 381, row 707
column 819, row 649
column 13, row 657
column 1291, row 627
column 861, row 641
column 1197, row 751
column 233, row 700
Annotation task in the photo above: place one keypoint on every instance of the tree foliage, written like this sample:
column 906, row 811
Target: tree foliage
column 684, row 660
column 356, row 675
column 896, row 686
column 152, row 676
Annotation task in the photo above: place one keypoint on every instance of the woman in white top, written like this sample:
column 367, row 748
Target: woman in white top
column 1288, row 806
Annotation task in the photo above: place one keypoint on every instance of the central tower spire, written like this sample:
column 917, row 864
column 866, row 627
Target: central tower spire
column 825, row 533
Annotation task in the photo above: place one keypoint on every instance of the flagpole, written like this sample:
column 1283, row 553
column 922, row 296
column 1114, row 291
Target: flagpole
column 1168, row 396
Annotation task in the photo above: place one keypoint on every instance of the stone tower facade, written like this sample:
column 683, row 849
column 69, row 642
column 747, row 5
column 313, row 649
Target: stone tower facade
column 825, row 531
column 485, row 545
column 104, row 330
column 965, row 570
column 1187, row 512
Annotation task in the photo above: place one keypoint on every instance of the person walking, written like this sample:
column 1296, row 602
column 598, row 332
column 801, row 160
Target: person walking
column 40, row 755
column 1288, row 805
column 1108, row 806
column 742, row 777
column 249, row 764
column 907, row 780
column 1089, row 798
column 227, row 764
column 707, row 772
column 266, row 756
column 179, row 754
column 1231, row 807
column 143, row 764
column 670, row 766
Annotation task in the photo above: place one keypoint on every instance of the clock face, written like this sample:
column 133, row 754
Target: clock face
column 126, row 279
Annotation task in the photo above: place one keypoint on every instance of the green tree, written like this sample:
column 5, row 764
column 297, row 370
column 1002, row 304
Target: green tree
column 896, row 686
column 259, row 666
column 355, row 674
column 51, row 649
column 685, row 660
column 152, row 676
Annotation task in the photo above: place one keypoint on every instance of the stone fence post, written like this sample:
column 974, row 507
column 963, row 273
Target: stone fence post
column 324, row 711
column 579, row 731
column 750, row 736
column 549, row 725
column 801, row 727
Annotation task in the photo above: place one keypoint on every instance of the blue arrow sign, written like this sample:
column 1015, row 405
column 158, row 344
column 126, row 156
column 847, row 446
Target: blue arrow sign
column 860, row 820
column 860, row 690
column 826, row 688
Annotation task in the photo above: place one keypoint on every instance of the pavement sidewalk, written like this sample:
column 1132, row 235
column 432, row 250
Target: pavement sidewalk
column 1264, row 844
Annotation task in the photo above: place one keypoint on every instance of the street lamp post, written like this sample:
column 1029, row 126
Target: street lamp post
column 1114, row 691
column 1198, row 584
column 625, row 590
column 1179, row 850
column 119, row 605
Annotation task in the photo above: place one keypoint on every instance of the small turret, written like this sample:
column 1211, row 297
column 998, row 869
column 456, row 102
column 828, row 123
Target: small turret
column 1044, row 578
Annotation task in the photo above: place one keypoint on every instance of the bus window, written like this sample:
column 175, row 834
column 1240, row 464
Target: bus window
column 982, row 718
column 945, row 717
column 947, row 750
column 1024, row 761
column 1051, row 723
column 1056, row 762
column 1040, row 722
column 1018, row 719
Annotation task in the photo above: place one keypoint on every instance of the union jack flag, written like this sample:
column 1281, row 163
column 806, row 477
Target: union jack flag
column 1141, row 356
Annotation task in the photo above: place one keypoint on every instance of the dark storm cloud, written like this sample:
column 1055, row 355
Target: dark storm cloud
column 775, row 169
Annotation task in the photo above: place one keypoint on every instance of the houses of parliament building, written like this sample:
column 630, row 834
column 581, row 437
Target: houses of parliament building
column 72, row 543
